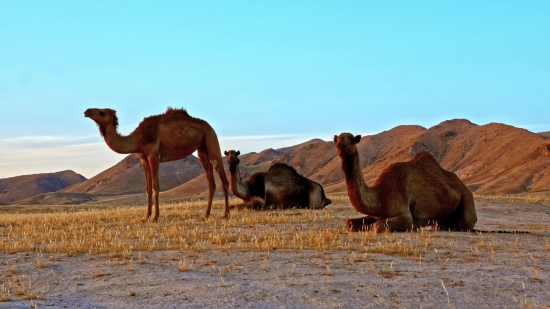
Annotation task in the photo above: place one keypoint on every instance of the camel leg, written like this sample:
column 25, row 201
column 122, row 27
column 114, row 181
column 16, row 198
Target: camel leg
column 400, row 223
column 215, row 156
column 359, row 224
column 154, row 165
column 148, row 185
column 256, row 204
column 218, row 166
column 203, row 157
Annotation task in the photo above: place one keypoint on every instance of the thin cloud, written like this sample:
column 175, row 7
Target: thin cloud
column 46, row 154
column 257, row 143
column 87, row 159
column 45, row 139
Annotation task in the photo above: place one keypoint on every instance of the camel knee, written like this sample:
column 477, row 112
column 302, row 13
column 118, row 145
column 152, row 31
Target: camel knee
column 359, row 224
column 399, row 224
column 212, row 186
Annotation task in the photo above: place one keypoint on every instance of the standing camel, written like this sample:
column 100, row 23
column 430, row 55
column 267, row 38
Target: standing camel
column 170, row 136
column 281, row 185
column 406, row 195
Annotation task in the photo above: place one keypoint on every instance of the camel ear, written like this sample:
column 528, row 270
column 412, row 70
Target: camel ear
column 225, row 152
column 238, row 152
column 357, row 139
column 335, row 138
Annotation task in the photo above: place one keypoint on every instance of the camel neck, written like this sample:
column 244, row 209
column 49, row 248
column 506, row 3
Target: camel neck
column 238, row 187
column 117, row 142
column 362, row 197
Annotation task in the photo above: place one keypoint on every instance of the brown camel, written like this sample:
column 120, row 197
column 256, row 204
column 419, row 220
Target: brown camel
column 406, row 195
column 170, row 136
column 281, row 186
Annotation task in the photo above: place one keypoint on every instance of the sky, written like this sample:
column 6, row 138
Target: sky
column 264, row 74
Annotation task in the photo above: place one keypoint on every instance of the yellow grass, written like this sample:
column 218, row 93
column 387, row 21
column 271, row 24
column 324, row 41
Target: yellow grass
column 531, row 198
column 119, row 233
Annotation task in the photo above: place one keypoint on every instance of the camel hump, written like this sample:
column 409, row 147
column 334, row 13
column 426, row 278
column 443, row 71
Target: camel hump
column 424, row 156
column 175, row 114
column 281, row 167
column 148, row 127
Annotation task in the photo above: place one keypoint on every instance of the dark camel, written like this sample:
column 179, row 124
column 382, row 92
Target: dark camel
column 170, row 136
column 406, row 195
column 280, row 187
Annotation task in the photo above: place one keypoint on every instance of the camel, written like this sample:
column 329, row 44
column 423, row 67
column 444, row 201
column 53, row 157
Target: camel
column 280, row 186
column 161, row 138
column 406, row 195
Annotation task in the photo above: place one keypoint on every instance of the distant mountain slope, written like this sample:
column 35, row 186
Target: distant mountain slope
column 127, row 177
column 21, row 187
column 491, row 159
column 545, row 134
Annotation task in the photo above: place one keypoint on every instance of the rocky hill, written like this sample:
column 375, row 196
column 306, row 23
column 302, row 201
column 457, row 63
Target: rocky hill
column 17, row 188
column 127, row 177
column 491, row 159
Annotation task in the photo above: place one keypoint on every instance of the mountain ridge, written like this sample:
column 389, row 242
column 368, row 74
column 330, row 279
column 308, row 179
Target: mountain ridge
column 494, row 158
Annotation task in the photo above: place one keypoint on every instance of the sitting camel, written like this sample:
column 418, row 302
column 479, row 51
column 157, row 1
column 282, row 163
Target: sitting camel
column 280, row 186
column 170, row 136
column 406, row 195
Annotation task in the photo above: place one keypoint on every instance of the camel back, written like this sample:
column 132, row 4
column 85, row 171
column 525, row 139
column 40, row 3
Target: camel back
column 147, row 128
column 282, row 167
column 423, row 163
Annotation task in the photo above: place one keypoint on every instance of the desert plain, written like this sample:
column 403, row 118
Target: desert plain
column 104, row 257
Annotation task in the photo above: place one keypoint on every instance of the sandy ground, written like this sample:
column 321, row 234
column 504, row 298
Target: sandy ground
column 461, row 271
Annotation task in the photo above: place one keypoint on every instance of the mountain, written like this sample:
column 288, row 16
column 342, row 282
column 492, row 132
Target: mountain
column 545, row 134
column 127, row 177
column 491, row 159
column 17, row 188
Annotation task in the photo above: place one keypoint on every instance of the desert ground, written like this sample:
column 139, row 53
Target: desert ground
column 104, row 257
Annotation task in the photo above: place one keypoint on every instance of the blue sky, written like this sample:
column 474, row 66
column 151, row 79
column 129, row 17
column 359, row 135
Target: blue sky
column 262, row 73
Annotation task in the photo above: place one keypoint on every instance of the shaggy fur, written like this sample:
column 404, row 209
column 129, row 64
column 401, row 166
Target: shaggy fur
column 147, row 128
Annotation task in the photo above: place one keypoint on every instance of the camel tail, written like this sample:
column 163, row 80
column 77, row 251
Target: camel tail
column 501, row 231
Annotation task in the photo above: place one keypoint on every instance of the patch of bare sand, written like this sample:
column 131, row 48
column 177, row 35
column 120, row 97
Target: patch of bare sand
column 460, row 270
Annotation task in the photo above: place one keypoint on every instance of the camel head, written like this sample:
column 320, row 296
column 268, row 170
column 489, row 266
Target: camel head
column 103, row 117
column 345, row 143
column 232, row 156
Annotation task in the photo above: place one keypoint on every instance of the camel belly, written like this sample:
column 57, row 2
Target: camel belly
column 170, row 154
column 288, row 195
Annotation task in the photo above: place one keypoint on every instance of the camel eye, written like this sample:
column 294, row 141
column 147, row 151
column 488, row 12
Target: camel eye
column 102, row 113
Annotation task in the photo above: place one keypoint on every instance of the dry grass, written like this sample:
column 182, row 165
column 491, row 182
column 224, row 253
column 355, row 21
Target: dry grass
column 119, row 233
column 529, row 198
column 116, row 236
